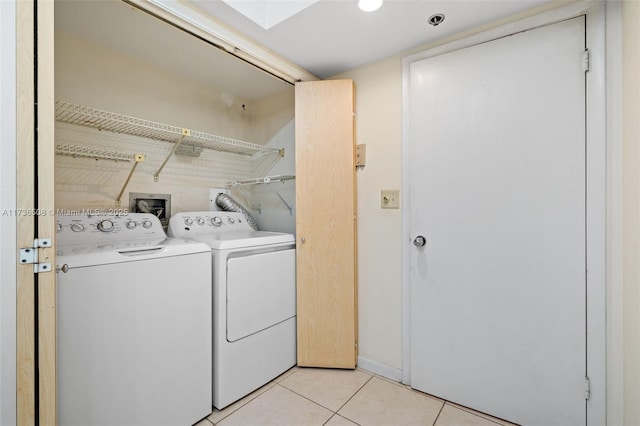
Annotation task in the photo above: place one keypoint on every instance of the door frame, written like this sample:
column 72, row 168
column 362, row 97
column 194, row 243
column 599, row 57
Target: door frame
column 8, row 228
column 595, row 180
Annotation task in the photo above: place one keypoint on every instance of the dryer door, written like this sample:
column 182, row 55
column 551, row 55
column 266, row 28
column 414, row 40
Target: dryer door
column 261, row 292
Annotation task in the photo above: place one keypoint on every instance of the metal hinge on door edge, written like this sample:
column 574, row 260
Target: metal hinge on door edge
column 29, row 255
column 587, row 388
column 585, row 60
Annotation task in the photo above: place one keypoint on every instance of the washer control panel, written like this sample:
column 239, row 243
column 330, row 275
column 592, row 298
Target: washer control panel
column 73, row 229
column 208, row 222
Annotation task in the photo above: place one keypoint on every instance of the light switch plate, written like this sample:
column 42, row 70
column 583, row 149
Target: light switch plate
column 390, row 198
column 361, row 155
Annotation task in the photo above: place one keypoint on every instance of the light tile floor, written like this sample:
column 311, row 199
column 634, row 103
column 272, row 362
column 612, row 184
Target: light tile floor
column 317, row 397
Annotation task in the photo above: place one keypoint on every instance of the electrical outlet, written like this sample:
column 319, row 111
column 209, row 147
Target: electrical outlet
column 390, row 198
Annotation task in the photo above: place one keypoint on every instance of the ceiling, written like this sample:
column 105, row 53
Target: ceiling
column 326, row 37
column 116, row 26
column 331, row 36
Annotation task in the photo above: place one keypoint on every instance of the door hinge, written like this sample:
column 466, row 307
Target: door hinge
column 29, row 255
column 587, row 388
column 586, row 60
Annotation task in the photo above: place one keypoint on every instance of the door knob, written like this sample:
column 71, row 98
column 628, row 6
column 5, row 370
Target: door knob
column 419, row 241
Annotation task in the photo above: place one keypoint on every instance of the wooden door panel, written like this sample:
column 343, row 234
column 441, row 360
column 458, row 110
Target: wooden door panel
column 35, row 344
column 46, row 222
column 25, row 154
column 325, row 214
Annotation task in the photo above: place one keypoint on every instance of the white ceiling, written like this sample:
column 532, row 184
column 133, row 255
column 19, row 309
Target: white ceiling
column 117, row 26
column 326, row 37
column 332, row 36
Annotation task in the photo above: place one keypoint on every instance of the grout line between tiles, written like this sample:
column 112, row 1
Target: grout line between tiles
column 439, row 412
column 342, row 417
column 311, row 400
column 351, row 397
column 329, row 419
column 339, row 408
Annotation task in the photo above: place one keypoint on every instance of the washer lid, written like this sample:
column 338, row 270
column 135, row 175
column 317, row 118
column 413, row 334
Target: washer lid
column 83, row 255
column 242, row 239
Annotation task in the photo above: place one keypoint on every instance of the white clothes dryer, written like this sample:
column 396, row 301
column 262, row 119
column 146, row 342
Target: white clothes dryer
column 254, row 300
column 133, row 323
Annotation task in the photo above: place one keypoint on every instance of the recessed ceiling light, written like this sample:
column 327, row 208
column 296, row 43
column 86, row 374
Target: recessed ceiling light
column 436, row 19
column 369, row 5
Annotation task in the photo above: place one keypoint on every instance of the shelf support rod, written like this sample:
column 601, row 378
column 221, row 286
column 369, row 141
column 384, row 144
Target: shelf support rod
column 285, row 203
column 185, row 133
column 137, row 158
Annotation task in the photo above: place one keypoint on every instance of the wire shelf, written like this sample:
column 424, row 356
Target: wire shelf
column 93, row 152
column 104, row 120
column 261, row 180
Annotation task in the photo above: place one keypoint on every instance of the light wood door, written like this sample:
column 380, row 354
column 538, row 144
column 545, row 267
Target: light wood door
column 35, row 215
column 325, row 224
column 25, row 225
column 497, row 132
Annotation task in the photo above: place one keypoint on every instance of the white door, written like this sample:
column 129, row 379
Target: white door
column 497, row 172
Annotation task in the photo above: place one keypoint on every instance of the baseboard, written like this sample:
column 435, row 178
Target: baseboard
column 380, row 369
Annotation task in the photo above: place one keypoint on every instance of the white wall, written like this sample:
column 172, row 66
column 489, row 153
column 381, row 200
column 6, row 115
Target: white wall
column 615, row 297
column 273, row 122
column 269, row 211
column 631, row 213
column 94, row 76
column 8, row 259
column 378, row 124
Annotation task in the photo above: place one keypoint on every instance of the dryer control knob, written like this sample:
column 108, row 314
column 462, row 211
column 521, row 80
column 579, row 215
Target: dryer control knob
column 131, row 224
column 147, row 224
column 77, row 227
column 200, row 221
column 105, row 225
column 188, row 221
column 231, row 220
column 216, row 221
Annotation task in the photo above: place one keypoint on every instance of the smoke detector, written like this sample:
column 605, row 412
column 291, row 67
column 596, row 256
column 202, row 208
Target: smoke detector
column 436, row 19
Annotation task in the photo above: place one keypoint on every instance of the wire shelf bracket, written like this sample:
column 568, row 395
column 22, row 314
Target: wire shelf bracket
column 261, row 180
column 137, row 158
column 285, row 203
column 185, row 133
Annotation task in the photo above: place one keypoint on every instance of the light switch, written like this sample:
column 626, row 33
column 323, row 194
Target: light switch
column 390, row 198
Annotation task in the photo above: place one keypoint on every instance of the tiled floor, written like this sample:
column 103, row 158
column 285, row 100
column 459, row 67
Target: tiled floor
column 316, row 397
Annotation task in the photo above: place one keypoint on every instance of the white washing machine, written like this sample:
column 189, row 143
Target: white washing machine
column 254, row 300
column 133, row 323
